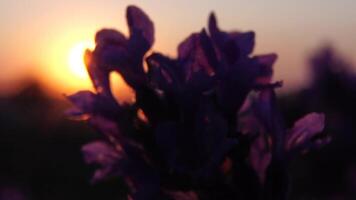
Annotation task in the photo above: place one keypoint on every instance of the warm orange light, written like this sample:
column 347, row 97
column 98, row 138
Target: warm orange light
column 76, row 59
column 63, row 70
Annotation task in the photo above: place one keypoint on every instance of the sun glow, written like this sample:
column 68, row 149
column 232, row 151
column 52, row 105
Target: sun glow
column 76, row 59
column 62, row 69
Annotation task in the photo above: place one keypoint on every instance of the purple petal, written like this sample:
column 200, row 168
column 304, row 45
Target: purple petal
column 269, row 115
column 245, row 41
column 305, row 129
column 260, row 156
column 233, row 45
column 84, row 101
column 140, row 27
column 138, row 20
column 266, row 108
column 111, row 57
column 163, row 71
column 228, row 49
column 110, row 36
column 99, row 152
column 213, row 24
column 268, row 59
column 89, row 105
column 186, row 47
column 192, row 54
column 265, row 68
column 214, row 30
column 103, row 154
column 260, row 148
column 99, row 77
column 209, row 50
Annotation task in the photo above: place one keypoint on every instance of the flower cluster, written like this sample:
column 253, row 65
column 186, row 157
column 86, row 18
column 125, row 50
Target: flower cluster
column 204, row 125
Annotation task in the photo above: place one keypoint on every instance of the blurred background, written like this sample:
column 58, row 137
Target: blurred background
column 42, row 44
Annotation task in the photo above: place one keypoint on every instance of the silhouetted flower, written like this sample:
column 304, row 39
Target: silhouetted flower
column 180, row 139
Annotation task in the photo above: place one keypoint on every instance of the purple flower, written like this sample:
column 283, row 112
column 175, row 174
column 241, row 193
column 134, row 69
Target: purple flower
column 271, row 142
column 181, row 138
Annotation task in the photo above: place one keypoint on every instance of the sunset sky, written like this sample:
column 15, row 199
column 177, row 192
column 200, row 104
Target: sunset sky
column 39, row 37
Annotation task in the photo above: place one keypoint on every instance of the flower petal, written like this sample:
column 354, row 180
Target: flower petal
column 216, row 34
column 193, row 57
column 141, row 28
column 99, row 152
column 110, row 36
column 260, row 156
column 233, row 45
column 99, row 76
column 103, row 154
column 84, row 101
column 163, row 71
column 245, row 41
column 264, row 71
column 305, row 129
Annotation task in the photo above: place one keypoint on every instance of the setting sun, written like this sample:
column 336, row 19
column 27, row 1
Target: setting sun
column 63, row 68
column 76, row 61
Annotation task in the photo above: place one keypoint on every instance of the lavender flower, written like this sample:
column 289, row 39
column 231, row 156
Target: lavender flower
column 187, row 144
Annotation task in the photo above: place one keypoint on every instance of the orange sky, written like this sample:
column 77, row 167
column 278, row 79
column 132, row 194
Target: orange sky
column 37, row 36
